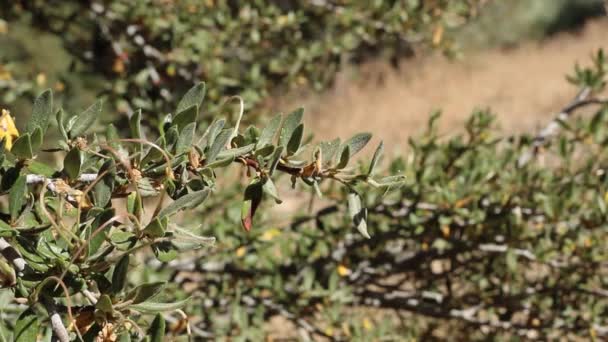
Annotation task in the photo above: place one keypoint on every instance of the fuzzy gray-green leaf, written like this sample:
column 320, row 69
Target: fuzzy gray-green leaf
column 270, row 131
column 357, row 213
column 289, row 126
column 86, row 119
column 193, row 97
column 41, row 112
column 188, row 201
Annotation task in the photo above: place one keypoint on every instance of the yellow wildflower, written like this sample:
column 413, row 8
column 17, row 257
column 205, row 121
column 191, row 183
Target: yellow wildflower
column 8, row 131
column 343, row 271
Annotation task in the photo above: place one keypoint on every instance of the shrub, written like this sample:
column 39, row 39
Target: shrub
column 150, row 49
column 488, row 238
column 69, row 244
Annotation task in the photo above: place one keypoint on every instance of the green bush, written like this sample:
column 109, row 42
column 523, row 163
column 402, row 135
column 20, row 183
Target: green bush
column 69, row 244
column 481, row 237
column 148, row 50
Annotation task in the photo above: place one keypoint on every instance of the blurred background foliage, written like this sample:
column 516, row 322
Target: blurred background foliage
column 140, row 54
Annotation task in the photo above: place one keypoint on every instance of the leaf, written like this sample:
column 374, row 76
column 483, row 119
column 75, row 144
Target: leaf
column 164, row 251
column 275, row 159
column 185, row 138
column 289, row 126
column 103, row 189
column 251, row 202
column 26, row 327
column 104, row 304
column 72, row 163
column 218, row 144
column 236, row 152
column 156, row 228
column 269, row 132
column 119, row 276
column 152, row 307
column 156, row 332
column 329, row 150
column 60, row 117
column 17, row 197
column 36, row 138
column 96, row 241
column 184, row 118
column 41, row 112
column 145, row 291
column 136, row 131
column 271, row 190
column 22, row 147
column 193, row 97
column 296, row 140
column 188, row 201
column 85, row 120
column 213, row 131
column 376, row 158
column 344, row 157
column 357, row 213
column 357, row 142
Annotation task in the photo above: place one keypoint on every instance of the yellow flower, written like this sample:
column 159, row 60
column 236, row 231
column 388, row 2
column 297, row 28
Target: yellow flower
column 343, row 271
column 8, row 131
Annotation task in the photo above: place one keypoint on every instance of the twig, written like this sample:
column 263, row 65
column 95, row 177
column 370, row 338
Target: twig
column 59, row 329
column 12, row 255
column 581, row 100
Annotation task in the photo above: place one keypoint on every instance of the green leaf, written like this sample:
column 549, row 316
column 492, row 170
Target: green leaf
column 296, row 140
column 251, row 202
column 104, row 304
column 145, row 291
column 119, row 277
column 213, row 131
column 17, row 197
column 185, row 202
column 236, row 152
column 357, row 213
column 344, row 157
column 36, row 138
column 27, row 327
column 156, row 332
column 329, row 150
column 357, row 142
column 185, row 138
column 86, row 119
column 193, row 97
column 184, row 118
column 275, row 159
column 218, row 144
column 165, row 251
column 271, row 190
column 152, row 307
column 376, row 158
column 96, row 241
column 102, row 191
column 22, row 147
column 136, row 131
column 156, row 228
column 60, row 117
column 292, row 121
column 41, row 112
column 72, row 163
column 269, row 132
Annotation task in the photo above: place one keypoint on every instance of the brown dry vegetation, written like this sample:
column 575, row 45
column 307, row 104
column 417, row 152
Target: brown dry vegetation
column 524, row 86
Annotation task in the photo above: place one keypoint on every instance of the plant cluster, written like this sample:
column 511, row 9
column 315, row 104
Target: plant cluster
column 150, row 49
column 488, row 237
column 70, row 235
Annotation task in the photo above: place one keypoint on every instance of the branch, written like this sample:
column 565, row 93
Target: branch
column 581, row 100
column 59, row 329
column 12, row 255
